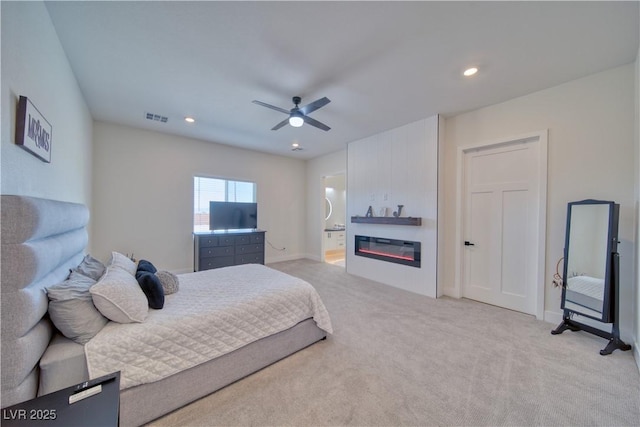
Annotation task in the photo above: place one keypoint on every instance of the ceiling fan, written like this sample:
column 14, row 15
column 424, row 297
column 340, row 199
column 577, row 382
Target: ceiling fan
column 299, row 115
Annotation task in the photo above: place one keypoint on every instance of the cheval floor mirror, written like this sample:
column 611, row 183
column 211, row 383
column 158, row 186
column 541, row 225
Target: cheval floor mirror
column 591, row 272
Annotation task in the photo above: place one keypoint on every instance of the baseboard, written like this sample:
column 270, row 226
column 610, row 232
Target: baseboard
column 451, row 291
column 272, row 260
column 553, row 317
column 312, row 257
column 636, row 355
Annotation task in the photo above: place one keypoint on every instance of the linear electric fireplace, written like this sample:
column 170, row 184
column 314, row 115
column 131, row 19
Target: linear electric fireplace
column 390, row 250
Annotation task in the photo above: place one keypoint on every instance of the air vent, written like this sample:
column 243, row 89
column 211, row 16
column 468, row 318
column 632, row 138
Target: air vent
column 157, row 117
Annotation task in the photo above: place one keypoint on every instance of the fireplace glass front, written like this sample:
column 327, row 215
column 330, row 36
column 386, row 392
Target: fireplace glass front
column 390, row 250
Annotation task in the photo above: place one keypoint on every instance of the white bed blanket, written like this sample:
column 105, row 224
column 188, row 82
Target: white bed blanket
column 213, row 313
column 589, row 286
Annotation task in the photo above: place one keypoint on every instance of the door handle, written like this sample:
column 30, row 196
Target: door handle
column 467, row 243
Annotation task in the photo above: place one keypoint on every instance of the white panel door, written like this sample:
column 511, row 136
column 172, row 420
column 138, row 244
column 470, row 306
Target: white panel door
column 500, row 228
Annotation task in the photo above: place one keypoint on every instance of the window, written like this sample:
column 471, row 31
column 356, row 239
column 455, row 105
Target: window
column 217, row 190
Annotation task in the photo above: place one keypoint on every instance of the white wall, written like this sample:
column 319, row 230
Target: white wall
column 143, row 194
column 330, row 164
column 591, row 141
column 34, row 65
column 396, row 167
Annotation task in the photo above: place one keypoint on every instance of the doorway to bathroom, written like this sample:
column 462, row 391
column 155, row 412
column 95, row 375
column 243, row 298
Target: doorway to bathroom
column 334, row 233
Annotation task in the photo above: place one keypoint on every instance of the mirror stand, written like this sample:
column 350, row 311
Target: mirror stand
column 615, row 343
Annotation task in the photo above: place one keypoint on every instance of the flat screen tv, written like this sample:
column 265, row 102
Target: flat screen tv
column 233, row 215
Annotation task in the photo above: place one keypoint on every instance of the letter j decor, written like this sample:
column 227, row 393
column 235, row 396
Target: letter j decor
column 33, row 131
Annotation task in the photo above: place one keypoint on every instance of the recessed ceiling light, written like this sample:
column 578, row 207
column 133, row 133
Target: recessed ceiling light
column 470, row 71
column 189, row 119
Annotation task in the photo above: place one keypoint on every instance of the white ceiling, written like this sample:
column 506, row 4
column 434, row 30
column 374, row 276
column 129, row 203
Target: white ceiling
column 382, row 64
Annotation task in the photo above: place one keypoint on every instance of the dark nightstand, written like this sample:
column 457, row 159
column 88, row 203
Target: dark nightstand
column 95, row 403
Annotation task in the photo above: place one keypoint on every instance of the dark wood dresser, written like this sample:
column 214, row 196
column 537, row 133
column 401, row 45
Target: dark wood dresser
column 215, row 249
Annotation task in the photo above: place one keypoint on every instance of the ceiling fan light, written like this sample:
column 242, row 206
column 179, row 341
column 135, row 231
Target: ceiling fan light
column 296, row 121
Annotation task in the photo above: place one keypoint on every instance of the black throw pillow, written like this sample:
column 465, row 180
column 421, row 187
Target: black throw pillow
column 144, row 265
column 152, row 288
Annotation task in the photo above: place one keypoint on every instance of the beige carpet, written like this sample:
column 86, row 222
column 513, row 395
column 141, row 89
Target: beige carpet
column 397, row 358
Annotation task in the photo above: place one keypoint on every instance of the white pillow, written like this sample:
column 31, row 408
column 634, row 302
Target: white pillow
column 119, row 298
column 123, row 262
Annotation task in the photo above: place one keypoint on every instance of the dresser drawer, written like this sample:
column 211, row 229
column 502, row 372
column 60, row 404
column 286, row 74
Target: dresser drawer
column 243, row 240
column 216, row 251
column 217, row 262
column 249, row 249
column 206, row 242
column 226, row 241
column 255, row 258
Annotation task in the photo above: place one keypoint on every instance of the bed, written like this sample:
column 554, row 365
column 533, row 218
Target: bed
column 42, row 240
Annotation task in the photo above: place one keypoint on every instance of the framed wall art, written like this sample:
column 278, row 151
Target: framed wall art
column 33, row 131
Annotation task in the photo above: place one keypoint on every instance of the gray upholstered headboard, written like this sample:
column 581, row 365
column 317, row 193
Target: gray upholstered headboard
column 41, row 240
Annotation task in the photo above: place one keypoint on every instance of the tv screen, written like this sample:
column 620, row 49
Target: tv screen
column 232, row 215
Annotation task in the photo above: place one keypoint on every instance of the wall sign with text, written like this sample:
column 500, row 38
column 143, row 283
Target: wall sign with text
column 33, row 131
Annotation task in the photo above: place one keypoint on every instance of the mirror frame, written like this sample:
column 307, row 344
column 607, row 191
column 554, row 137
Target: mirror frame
column 328, row 215
column 612, row 248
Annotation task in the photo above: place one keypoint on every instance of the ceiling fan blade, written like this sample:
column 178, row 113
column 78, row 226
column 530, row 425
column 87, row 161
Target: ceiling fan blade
column 273, row 107
column 313, row 122
column 279, row 125
column 310, row 108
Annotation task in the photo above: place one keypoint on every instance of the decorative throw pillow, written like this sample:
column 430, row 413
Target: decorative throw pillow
column 152, row 288
column 71, row 308
column 169, row 282
column 123, row 262
column 91, row 267
column 144, row 265
column 119, row 298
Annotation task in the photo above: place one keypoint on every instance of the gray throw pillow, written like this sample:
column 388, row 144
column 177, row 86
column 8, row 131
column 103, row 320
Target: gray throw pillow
column 123, row 262
column 91, row 267
column 71, row 308
column 169, row 281
column 119, row 298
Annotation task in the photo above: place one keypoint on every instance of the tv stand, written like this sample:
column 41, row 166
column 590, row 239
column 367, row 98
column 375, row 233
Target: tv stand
column 215, row 249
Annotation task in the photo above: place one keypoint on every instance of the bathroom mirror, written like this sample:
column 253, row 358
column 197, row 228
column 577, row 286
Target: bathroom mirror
column 591, row 240
column 328, row 208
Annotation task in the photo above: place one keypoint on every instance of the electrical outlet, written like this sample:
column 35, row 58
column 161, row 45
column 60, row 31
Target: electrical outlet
column 557, row 282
